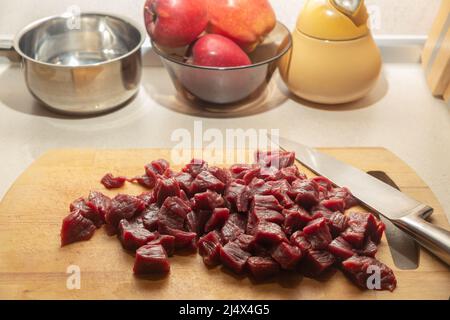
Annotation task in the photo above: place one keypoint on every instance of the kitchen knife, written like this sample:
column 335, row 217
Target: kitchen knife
column 405, row 212
column 404, row 249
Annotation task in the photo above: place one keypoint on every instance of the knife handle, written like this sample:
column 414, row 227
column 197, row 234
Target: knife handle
column 431, row 237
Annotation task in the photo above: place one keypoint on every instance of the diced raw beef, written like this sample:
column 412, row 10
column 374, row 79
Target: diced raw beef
column 183, row 239
column 262, row 214
column 208, row 200
column 286, row 255
column 147, row 197
column 369, row 249
column 167, row 242
column 123, row 207
column 360, row 225
column 206, row 181
column 239, row 220
column 341, row 248
column 144, row 180
column 344, row 194
column 323, row 183
column 184, row 180
column 238, row 195
column 269, row 173
column 209, row 248
column 87, row 210
column 295, row 219
column 75, row 228
column 234, row 257
column 173, row 213
column 239, row 170
column 150, row 217
column 318, row 234
column 195, row 167
column 290, row 174
column 196, row 221
column 220, row 173
column 262, row 267
column 320, row 211
column 355, row 238
column 317, row 261
column 258, row 186
column 305, row 193
column 299, row 239
column 111, row 182
column 251, row 174
column 280, row 190
column 337, row 222
column 100, row 203
column 269, row 233
column 166, row 188
column 133, row 235
column 217, row 219
column 359, row 269
column 230, row 231
column 158, row 167
column 246, row 242
column 279, row 159
column 267, row 202
column 378, row 233
column 151, row 259
column 334, row 204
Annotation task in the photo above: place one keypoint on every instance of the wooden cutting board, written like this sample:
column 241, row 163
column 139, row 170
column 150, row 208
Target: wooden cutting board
column 33, row 266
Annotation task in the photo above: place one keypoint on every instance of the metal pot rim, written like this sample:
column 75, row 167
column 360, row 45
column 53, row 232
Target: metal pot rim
column 39, row 22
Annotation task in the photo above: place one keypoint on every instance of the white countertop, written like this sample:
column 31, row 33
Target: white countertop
column 399, row 115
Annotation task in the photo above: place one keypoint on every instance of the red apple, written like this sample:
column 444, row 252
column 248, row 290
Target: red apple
column 213, row 50
column 246, row 22
column 175, row 23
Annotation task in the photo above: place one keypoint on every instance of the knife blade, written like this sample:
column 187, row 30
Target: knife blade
column 405, row 212
column 404, row 249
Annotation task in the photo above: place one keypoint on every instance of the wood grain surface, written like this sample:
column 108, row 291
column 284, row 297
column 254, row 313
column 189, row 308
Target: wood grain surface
column 33, row 266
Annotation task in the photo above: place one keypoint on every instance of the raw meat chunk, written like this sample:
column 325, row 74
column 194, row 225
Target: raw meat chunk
column 317, row 261
column 147, row 197
column 183, row 239
column 185, row 180
column 356, row 268
column 133, row 235
column 334, row 204
column 290, row 174
column 100, row 203
column 305, row 193
column 346, row 195
column 337, row 222
column 209, row 248
column 262, row 267
column 196, row 221
column 234, row 257
column 123, row 207
column 75, row 228
column 251, row 174
column 318, row 233
column 150, row 217
column 341, row 248
column 206, row 181
column 258, row 186
column 295, row 219
column 230, row 231
column 246, row 242
column 87, row 210
column 239, row 219
column 173, row 213
column 220, row 173
column 111, row 182
column 167, row 242
column 269, row 173
column 208, row 200
column 286, row 255
column 299, row 239
column 262, row 214
column 151, row 259
column 280, row 190
column 361, row 225
column 239, row 170
column 217, row 219
column 195, row 167
column 269, row 233
column 159, row 166
column 369, row 249
column 378, row 233
column 166, row 188
column 267, row 202
column 279, row 159
column 323, row 183
column 238, row 195
column 144, row 180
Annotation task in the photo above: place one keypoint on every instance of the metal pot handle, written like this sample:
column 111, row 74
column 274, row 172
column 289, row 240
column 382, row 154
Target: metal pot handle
column 7, row 50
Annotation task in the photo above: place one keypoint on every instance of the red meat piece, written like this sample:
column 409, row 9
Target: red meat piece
column 111, row 182
column 269, row 173
column 324, row 183
column 295, row 219
column 369, row 249
column 357, row 269
column 239, row 170
column 269, row 233
column 233, row 257
column 251, row 174
column 208, row 200
column 360, row 226
column 123, row 207
column 280, row 189
column 279, row 159
column 196, row 221
column 290, row 174
column 150, row 217
column 144, row 180
column 230, row 231
column 184, row 180
column 217, row 219
column 183, row 239
column 334, row 204
column 318, row 233
column 246, row 242
column 238, row 195
column 87, row 210
column 341, row 248
column 298, row 239
column 262, row 267
column 166, row 188
column 317, row 261
column 337, row 222
column 100, row 203
column 209, row 248
column 173, row 213
column 267, row 202
column 344, row 194
column 258, row 186
column 378, row 233
column 147, row 197
column 133, row 235
column 220, row 173
column 151, row 259
column 206, row 181
column 262, row 214
column 305, row 193
column 75, row 228
column 286, row 255
column 195, row 167
column 167, row 242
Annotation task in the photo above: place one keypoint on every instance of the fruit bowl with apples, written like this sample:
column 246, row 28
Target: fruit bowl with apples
column 217, row 51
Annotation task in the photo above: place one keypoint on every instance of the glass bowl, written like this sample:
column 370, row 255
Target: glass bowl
column 227, row 85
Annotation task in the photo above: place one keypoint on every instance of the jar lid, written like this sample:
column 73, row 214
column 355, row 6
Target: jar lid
column 334, row 19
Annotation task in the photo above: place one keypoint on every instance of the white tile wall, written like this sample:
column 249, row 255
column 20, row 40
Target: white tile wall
column 410, row 17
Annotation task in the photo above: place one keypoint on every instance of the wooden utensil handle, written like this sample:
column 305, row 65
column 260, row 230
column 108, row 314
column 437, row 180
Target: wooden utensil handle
column 433, row 238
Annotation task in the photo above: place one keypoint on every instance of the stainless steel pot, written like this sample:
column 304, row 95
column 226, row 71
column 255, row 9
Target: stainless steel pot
column 87, row 66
